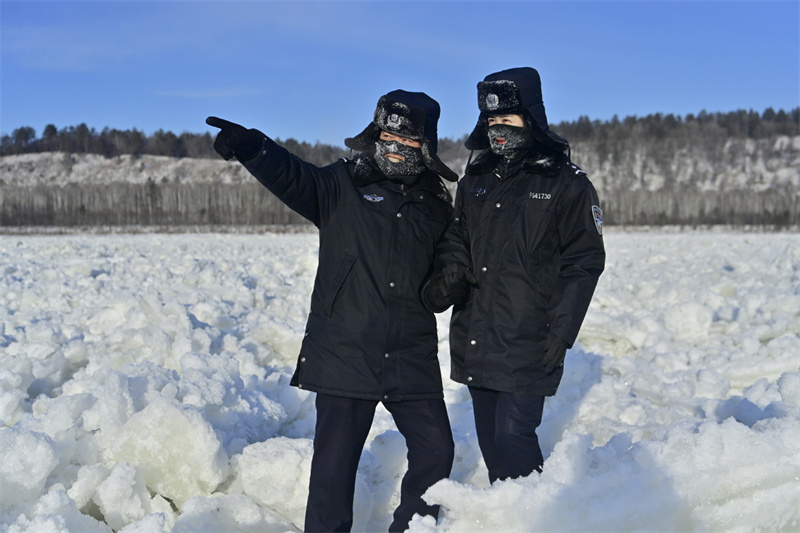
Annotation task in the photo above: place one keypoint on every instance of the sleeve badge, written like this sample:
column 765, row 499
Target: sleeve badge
column 597, row 214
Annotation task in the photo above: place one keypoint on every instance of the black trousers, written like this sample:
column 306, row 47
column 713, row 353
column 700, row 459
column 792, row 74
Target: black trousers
column 341, row 431
column 506, row 426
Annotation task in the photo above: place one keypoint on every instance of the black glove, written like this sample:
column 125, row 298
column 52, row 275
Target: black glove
column 235, row 140
column 449, row 286
column 554, row 352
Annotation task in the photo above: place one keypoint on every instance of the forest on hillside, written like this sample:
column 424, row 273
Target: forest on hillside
column 652, row 129
column 740, row 168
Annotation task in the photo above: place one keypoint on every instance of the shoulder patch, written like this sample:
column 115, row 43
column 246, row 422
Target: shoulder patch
column 576, row 169
column 597, row 214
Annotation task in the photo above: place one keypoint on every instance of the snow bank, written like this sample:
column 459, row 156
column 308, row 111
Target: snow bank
column 144, row 388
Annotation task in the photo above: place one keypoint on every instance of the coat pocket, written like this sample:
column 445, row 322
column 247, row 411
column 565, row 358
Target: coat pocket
column 338, row 278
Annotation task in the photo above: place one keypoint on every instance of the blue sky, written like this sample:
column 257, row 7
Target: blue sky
column 313, row 71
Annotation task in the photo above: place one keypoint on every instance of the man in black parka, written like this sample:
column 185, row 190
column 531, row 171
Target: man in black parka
column 369, row 338
column 520, row 263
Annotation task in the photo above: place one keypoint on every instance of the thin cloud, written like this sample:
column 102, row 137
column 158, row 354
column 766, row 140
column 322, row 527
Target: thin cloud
column 233, row 92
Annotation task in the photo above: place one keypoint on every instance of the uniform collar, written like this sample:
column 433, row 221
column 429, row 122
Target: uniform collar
column 534, row 162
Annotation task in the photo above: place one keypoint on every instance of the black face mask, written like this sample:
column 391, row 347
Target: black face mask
column 517, row 140
column 412, row 165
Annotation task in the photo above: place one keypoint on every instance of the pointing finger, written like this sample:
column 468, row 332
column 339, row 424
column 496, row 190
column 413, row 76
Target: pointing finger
column 219, row 123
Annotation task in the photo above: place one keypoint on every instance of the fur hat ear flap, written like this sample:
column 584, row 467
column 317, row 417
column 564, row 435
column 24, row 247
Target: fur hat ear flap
column 435, row 164
column 478, row 139
column 365, row 140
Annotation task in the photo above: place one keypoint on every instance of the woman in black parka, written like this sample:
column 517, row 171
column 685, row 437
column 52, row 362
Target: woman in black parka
column 520, row 263
column 369, row 338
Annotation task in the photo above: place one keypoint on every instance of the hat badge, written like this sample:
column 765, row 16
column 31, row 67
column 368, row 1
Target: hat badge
column 394, row 120
column 492, row 101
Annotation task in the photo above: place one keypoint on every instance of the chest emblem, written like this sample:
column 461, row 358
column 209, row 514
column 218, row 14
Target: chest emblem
column 597, row 213
column 373, row 198
column 478, row 191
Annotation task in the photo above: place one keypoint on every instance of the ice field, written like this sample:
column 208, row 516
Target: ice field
column 144, row 387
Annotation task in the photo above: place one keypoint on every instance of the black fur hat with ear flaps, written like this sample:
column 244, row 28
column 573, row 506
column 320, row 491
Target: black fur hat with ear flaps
column 516, row 91
column 406, row 114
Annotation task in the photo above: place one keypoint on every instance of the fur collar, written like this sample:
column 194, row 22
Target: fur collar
column 535, row 162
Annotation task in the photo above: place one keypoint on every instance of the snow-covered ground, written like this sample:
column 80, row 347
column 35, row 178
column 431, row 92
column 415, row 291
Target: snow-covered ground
column 144, row 388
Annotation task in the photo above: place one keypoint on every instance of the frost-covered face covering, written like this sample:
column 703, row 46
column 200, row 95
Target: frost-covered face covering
column 509, row 141
column 397, row 159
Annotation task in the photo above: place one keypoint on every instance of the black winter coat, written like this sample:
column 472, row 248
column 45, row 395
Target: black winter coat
column 533, row 239
column 368, row 334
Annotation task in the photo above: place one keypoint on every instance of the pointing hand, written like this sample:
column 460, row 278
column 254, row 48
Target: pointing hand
column 234, row 140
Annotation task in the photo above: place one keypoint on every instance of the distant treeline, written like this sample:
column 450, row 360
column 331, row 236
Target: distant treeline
column 151, row 204
column 733, row 125
column 250, row 204
column 652, row 128
column 112, row 142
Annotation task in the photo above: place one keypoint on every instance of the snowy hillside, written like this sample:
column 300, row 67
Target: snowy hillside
column 752, row 165
column 739, row 164
column 56, row 168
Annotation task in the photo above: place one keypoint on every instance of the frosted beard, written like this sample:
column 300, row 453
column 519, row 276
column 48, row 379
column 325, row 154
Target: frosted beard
column 509, row 141
column 411, row 165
